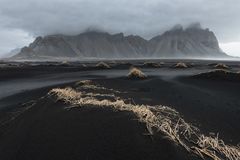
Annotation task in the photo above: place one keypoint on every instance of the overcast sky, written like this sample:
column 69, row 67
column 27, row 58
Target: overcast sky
column 22, row 20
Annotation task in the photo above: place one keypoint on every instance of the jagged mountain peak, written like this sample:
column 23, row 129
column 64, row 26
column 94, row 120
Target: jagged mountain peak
column 193, row 41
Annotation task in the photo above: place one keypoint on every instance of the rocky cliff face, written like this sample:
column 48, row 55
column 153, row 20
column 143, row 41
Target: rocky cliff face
column 176, row 43
column 191, row 42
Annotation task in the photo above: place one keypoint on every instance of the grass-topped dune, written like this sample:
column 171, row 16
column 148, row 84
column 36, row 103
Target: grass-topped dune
column 221, row 66
column 158, row 119
column 219, row 74
column 103, row 65
column 181, row 65
column 84, row 82
column 136, row 73
column 64, row 63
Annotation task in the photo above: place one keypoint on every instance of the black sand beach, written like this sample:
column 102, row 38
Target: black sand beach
column 34, row 125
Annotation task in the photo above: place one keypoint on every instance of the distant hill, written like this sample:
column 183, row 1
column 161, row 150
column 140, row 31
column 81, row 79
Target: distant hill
column 192, row 42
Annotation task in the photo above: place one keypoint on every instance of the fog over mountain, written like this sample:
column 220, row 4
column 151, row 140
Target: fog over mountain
column 192, row 42
column 11, row 53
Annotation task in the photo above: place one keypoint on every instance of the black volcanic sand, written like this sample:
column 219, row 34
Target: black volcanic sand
column 219, row 74
column 44, row 129
column 212, row 106
column 48, row 131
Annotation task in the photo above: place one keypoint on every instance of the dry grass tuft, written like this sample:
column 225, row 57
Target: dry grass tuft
column 181, row 65
column 212, row 145
column 136, row 73
column 90, row 85
column 69, row 94
column 84, row 65
column 64, row 63
column 162, row 63
column 113, row 62
column 84, row 82
column 158, row 119
column 221, row 66
column 103, row 65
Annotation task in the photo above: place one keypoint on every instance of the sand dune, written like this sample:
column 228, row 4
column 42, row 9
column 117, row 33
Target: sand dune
column 109, row 116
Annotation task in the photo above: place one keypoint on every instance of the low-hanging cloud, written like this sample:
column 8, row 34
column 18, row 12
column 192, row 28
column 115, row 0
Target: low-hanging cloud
column 145, row 18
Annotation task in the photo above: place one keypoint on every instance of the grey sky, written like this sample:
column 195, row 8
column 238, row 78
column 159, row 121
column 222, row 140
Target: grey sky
column 21, row 20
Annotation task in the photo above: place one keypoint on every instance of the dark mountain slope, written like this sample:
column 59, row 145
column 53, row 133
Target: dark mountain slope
column 193, row 42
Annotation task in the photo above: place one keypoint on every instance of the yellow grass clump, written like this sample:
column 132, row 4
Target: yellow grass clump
column 90, row 85
column 103, row 65
column 159, row 118
column 210, row 145
column 84, row 65
column 84, row 82
column 162, row 63
column 181, row 65
column 113, row 62
column 221, row 66
column 136, row 73
column 64, row 63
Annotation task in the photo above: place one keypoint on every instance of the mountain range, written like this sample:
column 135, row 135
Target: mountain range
column 192, row 42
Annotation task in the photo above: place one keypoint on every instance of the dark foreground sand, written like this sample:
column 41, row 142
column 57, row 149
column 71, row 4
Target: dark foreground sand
column 45, row 129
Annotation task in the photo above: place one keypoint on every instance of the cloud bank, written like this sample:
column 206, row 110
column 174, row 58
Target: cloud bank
column 145, row 18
